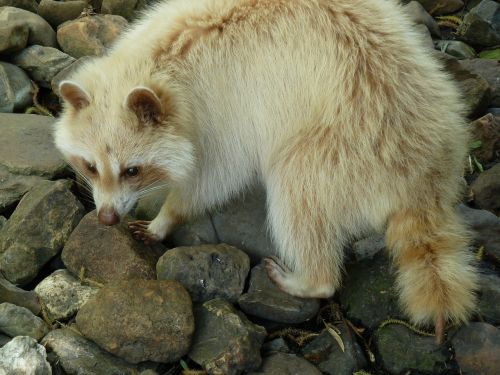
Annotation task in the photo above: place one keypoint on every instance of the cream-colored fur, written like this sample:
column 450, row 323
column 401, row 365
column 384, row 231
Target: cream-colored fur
column 335, row 105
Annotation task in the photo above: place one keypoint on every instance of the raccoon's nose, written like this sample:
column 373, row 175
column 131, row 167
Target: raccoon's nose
column 108, row 216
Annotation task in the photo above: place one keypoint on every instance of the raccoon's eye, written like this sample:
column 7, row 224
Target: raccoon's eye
column 91, row 168
column 132, row 171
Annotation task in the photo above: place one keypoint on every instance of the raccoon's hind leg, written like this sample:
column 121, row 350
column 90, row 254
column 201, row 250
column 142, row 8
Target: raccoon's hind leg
column 436, row 278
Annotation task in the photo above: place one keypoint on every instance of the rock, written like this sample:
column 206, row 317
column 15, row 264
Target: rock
column 13, row 187
column 420, row 16
column 42, row 63
column 486, row 130
column 265, row 300
column 10, row 293
column 37, row 230
column 243, row 224
column 368, row 293
column 58, row 12
column 489, row 295
column 206, row 271
column 476, row 349
column 488, row 70
column 29, row 5
column 125, row 8
column 22, row 355
column 40, row 32
column 286, row 364
column 401, row 349
column 19, row 321
column 66, row 73
column 493, row 54
column 4, row 340
column 480, row 25
column 3, row 220
column 13, row 37
column 91, row 35
column 486, row 189
column 197, row 231
column 367, row 247
column 77, row 355
column 225, row 341
column 157, row 322
column 62, row 295
column 455, row 48
column 440, row 7
column 107, row 253
column 15, row 88
column 27, row 146
column 326, row 354
column 275, row 346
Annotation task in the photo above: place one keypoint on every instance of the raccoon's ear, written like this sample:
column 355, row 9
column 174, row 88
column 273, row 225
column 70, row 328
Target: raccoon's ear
column 74, row 94
column 146, row 105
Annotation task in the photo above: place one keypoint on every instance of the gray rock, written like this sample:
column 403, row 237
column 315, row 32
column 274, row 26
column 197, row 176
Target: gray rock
column 3, row 220
column 148, row 207
column 58, row 12
column 157, row 322
column 17, row 296
column 29, row 5
column 441, row 6
column 206, row 271
column 401, row 349
column 480, row 25
column 476, row 349
column 420, row 16
column 490, row 71
column 13, row 187
column 225, row 341
column 91, row 35
column 197, row 231
column 275, row 346
column 367, row 247
column 66, row 73
column 455, row 48
column 37, row 230
column 107, row 253
column 40, row 32
column 19, row 321
column 15, row 88
column 327, row 355
column 265, row 300
column 489, row 296
column 62, row 295
column 77, row 355
column 27, row 146
column 125, row 8
column 285, row 364
column 13, row 37
column 23, row 355
column 4, row 339
column 42, row 63
column 486, row 189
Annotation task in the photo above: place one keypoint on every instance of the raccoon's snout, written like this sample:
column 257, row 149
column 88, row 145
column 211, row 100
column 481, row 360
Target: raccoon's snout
column 108, row 216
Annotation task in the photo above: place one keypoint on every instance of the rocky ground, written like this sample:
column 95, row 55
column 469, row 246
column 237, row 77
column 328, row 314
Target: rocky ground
column 77, row 297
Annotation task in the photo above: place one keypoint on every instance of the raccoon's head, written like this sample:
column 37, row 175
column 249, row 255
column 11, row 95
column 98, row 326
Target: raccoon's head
column 122, row 147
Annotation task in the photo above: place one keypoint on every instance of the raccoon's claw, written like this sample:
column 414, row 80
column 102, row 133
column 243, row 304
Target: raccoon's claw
column 140, row 231
column 439, row 329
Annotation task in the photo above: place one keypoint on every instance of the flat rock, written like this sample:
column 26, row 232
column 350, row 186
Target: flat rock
column 486, row 189
column 17, row 296
column 157, row 320
column 58, row 12
column 480, row 25
column 489, row 296
column 29, row 5
column 476, row 349
column 91, row 35
column 455, row 48
column 62, row 295
column 107, row 253
column 225, row 341
column 490, row 71
column 441, row 6
column 19, row 321
column 77, row 355
column 486, row 130
column 37, row 230
column 42, row 63
column 401, row 349
column 23, row 355
column 265, row 300
column 286, row 364
column 13, row 37
column 206, row 271
column 13, row 187
column 28, row 147
column 40, row 32
column 66, row 73
column 15, row 88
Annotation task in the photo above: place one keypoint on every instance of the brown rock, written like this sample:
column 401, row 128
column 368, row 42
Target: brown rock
column 29, row 5
column 489, row 69
column 441, row 6
column 487, row 130
column 17, row 296
column 486, row 190
column 57, row 12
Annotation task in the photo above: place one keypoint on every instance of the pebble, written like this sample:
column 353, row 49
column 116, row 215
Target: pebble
column 286, row 364
column 23, row 355
column 17, row 296
column 480, row 25
column 58, row 12
column 15, row 88
column 19, row 321
column 486, row 189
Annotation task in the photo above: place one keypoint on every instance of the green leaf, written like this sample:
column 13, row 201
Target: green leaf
column 478, row 164
column 475, row 144
column 184, row 365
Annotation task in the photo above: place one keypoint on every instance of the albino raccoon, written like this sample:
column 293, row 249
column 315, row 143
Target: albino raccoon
column 336, row 106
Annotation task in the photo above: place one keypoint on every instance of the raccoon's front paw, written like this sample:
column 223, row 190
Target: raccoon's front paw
column 142, row 231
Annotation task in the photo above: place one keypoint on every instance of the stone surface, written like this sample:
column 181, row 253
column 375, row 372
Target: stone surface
column 367, row 247
column 265, row 300
column 77, row 355
column 4, row 339
column 13, row 187
column 62, row 295
column 42, row 63
column 490, row 71
column 19, row 321
column 57, row 12
column 326, row 354
column 480, row 25
column 91, row 35
column 23, row 355
column 441, row 6
column 125, row 8
column 17, row 296
column 420, row 16
column 37, row 230
column 40, row 32
column 196, row 231
column 3, row 220
column 29, row 5
column 15, row 88
column 107, row 253
column 27, row 145
column 225, row 341
column 286, row 364
column 489, row 297
column 66, row 73
column 401, row 349
column 476, row 349
column 486, row 130
column 486, row 189
column 156, row 322
column 206, row 271
column 455, row 48
column 13, row 37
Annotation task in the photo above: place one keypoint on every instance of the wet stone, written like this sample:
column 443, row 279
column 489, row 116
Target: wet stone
column 23, row 355
column 489, row 297
column 15, row 88
column 17, row 296
column 206, row 271
column 19, row 321
column 57, row 12
column 486, row 189
column 480, row 25
column 265, row 300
